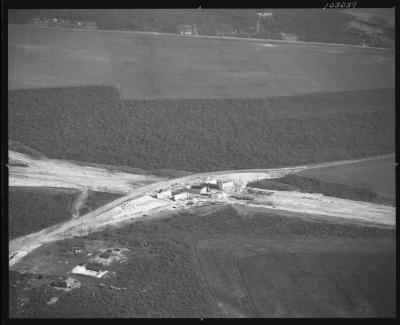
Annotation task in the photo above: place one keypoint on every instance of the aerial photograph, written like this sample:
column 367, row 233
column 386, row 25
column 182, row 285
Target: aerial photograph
column 201, row 163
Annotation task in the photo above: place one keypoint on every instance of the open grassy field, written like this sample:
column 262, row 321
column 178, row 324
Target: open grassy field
column 371, row 180
column 378, row 175
column 321, row 284
column 200, row 263
column 33, row 209
column 143, row 65
column 42, row 58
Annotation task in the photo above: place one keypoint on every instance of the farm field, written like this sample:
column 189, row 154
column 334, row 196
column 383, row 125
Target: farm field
column 142, row 65
column 193, row 264
column 33, row 209
column 377, row 175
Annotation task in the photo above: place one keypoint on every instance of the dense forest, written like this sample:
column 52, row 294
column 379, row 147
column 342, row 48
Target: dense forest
column 92, row 124
column 329, row 26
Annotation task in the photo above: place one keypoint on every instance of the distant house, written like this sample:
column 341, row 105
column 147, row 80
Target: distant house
column 264, row 14
column 188, row 30
column 164, row 194
column 77, row 250
column 199, row 189
column 289, row 37
column 181, row 196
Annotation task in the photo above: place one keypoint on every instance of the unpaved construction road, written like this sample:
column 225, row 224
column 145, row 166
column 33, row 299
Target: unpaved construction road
column 61, row 173
column 137, row 203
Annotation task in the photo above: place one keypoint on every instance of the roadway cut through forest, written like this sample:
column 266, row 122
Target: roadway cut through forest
column 144, row 204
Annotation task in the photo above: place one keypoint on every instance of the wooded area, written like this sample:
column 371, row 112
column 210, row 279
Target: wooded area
column 92, row 124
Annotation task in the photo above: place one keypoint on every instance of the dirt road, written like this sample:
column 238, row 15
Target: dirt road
column 61, row 173
column 318, row 204
column 137, row 203
column 78, row 203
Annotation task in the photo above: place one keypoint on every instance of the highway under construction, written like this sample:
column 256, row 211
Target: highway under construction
column 144, row 201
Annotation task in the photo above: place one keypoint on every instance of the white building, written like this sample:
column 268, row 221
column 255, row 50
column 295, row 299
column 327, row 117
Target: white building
column 264, row 14
column 181, row 196
column 227, row 185
column 81, row 269
column 211, row 181
column 164, row 194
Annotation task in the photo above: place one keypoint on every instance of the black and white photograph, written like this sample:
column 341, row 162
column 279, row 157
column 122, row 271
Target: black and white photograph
column 199, row 162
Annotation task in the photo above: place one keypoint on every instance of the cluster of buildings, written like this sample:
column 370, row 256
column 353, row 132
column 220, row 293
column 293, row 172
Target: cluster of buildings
column 205, row 188
column 289, row 37
column 188, row 30
column 59, row 22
